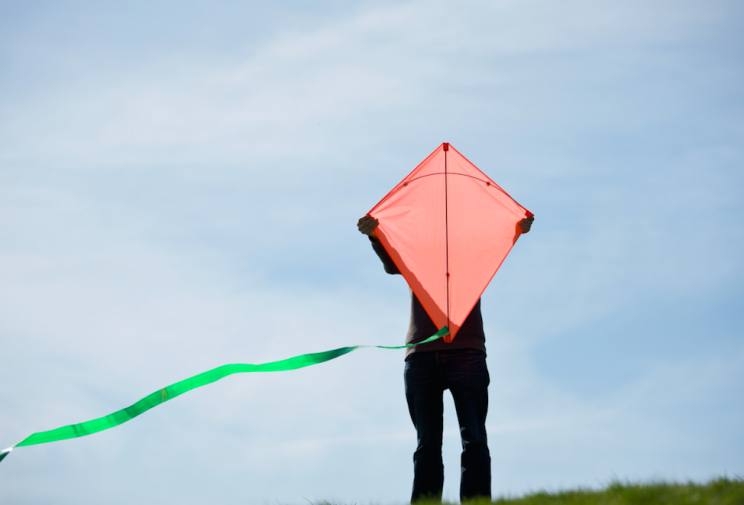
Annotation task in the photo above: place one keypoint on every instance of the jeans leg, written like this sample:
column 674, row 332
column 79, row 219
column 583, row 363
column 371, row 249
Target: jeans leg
column 468, row 379
column 424, row 395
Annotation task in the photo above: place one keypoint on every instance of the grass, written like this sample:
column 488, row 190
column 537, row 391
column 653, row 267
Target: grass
column 722, row 491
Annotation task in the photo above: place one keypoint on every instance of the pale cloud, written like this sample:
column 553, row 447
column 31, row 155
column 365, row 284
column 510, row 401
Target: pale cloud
column 296, row 92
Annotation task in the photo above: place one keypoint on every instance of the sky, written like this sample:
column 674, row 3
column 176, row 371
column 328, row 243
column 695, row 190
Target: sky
column 179, row 189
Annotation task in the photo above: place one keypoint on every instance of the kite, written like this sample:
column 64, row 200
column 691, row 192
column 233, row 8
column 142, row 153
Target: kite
column 448, row 229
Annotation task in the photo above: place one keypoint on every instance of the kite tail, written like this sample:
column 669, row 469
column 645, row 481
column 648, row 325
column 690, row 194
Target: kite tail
column 168, row 393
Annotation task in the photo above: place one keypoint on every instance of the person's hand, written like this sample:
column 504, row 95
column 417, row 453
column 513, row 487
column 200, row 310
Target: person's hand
column 526, row 223
column 367, row 225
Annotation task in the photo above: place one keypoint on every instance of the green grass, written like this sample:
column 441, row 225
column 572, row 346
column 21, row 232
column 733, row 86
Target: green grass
column 723, row 491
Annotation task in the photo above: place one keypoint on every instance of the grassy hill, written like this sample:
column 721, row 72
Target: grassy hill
column 723, row 491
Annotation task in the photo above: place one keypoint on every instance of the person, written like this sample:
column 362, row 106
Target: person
column 432, row 368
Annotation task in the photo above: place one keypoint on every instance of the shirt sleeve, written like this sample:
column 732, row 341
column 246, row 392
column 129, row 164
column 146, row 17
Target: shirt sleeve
column 387, row 262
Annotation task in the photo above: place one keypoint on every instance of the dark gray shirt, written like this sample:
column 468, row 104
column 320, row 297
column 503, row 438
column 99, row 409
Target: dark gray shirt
column 421, row 327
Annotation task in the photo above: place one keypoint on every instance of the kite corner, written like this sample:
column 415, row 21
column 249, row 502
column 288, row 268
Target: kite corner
column 446, row 335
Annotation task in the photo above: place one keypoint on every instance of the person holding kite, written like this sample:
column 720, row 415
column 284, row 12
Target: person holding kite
column 446, row 228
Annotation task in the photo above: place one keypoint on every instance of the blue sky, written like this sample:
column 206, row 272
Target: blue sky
column 179, row 188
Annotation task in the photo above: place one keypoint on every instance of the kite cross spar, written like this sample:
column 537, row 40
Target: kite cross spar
column 446, row 226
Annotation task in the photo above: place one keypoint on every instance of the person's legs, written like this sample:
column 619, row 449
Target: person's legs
column 424, row 395
column 467, row 377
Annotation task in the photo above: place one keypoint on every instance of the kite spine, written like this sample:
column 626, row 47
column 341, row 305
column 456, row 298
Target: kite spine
column 445, row 146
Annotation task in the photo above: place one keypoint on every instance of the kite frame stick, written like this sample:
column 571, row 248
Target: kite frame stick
column 405, row 182
column 445, row 147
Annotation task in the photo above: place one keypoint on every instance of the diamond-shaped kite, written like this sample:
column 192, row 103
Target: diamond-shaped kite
column 448, row 228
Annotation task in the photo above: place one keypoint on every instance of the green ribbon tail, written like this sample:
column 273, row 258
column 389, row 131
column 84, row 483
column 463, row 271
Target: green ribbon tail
column 168, row 393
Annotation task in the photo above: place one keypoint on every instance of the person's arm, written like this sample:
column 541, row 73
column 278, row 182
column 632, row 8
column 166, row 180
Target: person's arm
column 367, row 225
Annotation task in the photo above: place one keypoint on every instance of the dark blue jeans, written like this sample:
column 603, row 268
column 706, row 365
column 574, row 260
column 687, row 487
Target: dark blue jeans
column 427, row 376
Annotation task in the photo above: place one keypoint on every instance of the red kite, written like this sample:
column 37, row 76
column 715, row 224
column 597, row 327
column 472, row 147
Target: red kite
column 448, row 228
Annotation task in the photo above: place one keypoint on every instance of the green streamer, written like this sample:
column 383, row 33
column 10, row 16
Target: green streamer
column 168, row 393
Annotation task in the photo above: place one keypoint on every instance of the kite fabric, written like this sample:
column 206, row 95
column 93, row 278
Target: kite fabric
column 168, row 393
column 448, row 228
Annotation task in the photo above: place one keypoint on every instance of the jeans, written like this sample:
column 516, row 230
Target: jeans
column 427, row 376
